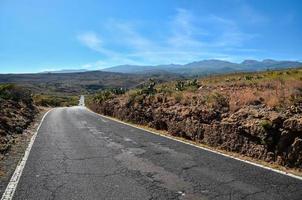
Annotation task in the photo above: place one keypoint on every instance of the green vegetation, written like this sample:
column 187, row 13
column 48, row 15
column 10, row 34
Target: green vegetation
column 13, row 92
column 255, row 77
column 185, row 85
column 103, row 96
column 55, row 101
column 266, row 124
column 148, row 89
column 16, row 93
column 106, row 94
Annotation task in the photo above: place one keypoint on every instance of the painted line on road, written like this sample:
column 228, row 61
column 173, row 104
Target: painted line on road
column 13, row 183
column 200, row 147
column 104, row 120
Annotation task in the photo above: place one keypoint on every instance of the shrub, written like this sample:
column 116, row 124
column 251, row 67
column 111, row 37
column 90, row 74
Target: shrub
column 296, row 96
column 103, row 96
column 193, row 83
column 149, row 89
column 180, row 85
column 118, row 91
column 55, row 101
column 184, row 85
column 216, row 100
column 178, row 96
column 266, row 124
column 15, row 93
column 248, row 77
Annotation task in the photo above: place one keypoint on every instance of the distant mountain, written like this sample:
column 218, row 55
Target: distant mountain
column 207, row 67
column 65, row 71
column 129, row 76
column 254, row 65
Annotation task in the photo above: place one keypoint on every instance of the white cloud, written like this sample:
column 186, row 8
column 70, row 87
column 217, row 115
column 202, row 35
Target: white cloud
column 188, row 38
column 94, row 42
column 90, row 39
column 230, row 33
column 184, row 30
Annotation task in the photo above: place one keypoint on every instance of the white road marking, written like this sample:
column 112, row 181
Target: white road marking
column 129, row 140
column 204, row 148
column 105, row 121
column 12, row 185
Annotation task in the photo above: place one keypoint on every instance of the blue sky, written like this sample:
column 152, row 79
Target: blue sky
column 45, row 35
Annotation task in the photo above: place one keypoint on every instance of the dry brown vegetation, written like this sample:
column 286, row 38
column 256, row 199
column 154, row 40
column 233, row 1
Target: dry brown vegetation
column 255, row 114
column 16, row 113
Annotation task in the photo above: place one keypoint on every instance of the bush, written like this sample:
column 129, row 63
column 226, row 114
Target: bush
column 117, row 91
column 180, row 85
column 266, row 124
column 15, row 93
column 296, row 96
column 178, row 97
column 216, row 100
column 103, row 96
column 248, row 77
column 149, row 89
column 55, row 101
column 184, row 85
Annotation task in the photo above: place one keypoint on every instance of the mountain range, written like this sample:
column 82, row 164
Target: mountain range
column 203, row 67
column 207, row 67
column 77, row 81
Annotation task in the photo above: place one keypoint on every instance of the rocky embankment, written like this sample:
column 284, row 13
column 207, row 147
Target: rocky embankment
column 17, row 111
column 255, row 129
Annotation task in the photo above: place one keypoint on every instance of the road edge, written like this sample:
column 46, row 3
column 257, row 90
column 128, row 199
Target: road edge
column 13, row 183
column 201, row 147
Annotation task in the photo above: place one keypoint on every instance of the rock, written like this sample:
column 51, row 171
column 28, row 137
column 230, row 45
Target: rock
column 295, row 153
column 276, row 118
column 293, row 124
column 18, row 130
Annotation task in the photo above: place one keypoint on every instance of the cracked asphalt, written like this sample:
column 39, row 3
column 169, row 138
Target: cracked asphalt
column 80, row 155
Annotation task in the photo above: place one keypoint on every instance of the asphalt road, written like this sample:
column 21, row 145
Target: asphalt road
column 82, row 100
column 80, row 155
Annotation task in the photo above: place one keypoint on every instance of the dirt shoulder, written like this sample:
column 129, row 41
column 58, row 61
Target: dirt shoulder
column 11, row 158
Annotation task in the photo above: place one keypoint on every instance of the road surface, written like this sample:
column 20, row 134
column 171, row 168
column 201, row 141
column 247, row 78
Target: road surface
column 82, row 100
column 79, row 155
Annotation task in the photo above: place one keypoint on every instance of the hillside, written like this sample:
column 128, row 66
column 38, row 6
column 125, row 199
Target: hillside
column 17, row 111
column 206, row 67
column 255, row 114
column 81, row 82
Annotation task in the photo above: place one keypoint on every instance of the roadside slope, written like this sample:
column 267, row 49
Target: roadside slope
column 18, row 117
column 254, row 114
column 17, row 111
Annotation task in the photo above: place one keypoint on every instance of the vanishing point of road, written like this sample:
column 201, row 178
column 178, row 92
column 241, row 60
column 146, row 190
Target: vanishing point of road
column 80, row 155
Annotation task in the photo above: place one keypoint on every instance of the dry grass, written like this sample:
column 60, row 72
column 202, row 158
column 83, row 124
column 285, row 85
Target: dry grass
column 273, row 94
column 272, row 88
